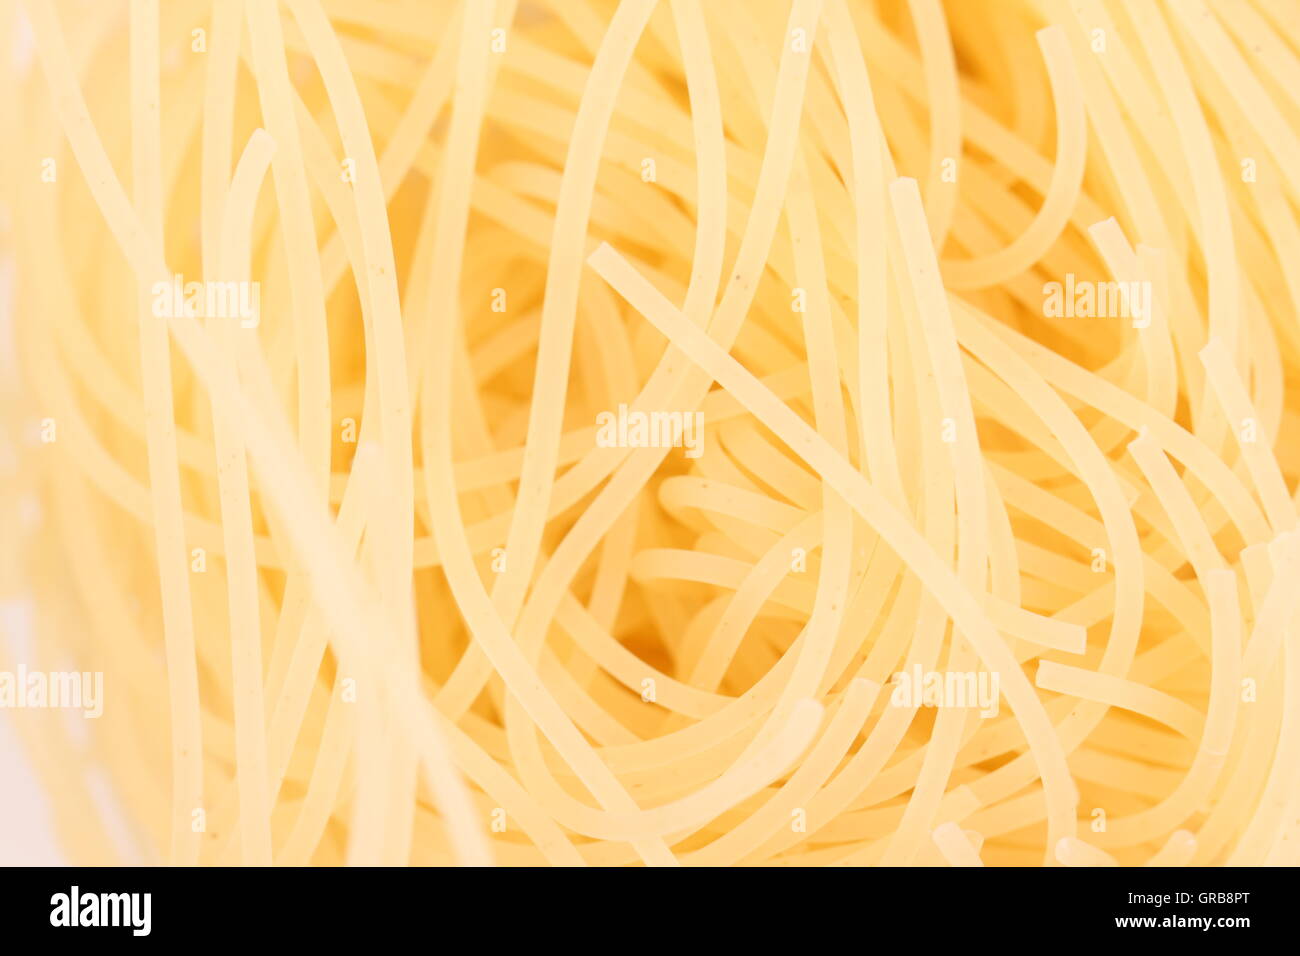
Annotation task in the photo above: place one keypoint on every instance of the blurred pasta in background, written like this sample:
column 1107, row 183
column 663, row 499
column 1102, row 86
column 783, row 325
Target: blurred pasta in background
column 742, row 432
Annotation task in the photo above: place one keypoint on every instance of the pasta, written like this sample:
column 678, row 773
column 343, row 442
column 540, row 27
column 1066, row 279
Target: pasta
column 618, row 432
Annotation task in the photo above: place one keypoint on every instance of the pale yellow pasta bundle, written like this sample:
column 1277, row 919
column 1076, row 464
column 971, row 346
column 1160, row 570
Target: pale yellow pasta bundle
column 665, row 432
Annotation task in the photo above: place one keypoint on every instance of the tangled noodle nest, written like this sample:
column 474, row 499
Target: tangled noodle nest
column 575, row 431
